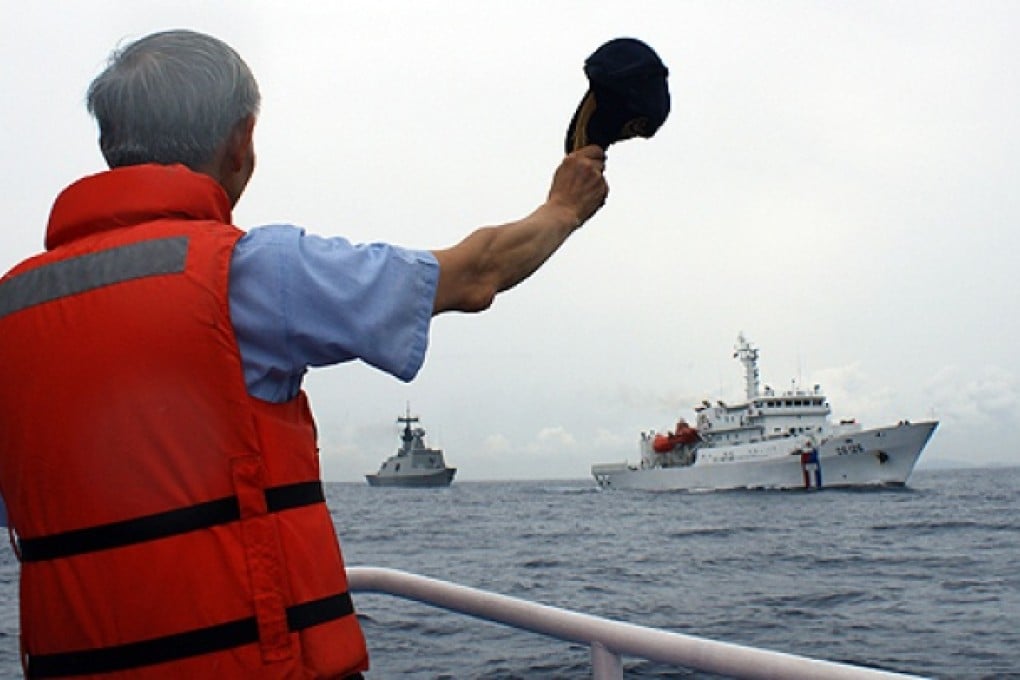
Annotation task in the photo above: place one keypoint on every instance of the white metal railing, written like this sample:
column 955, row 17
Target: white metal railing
column 609, row 640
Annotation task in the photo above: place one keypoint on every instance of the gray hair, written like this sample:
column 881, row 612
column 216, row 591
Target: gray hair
column 171, row 97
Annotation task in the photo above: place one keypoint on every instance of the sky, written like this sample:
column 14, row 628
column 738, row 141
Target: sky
column 838, row 181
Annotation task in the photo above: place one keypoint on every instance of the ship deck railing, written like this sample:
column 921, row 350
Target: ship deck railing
column 608, row 640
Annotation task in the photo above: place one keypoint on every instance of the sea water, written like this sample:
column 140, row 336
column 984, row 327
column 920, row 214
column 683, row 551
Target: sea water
column 922, row 580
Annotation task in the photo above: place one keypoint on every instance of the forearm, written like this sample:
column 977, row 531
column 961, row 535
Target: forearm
column 494, row 259
column 526, row 245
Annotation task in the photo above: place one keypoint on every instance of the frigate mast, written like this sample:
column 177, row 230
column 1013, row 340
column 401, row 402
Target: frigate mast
column 408, row 435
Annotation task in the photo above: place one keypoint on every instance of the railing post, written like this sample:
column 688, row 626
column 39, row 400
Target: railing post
column 605, row 665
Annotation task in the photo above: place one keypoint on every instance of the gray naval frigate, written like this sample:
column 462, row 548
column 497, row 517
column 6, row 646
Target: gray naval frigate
column 414, row 464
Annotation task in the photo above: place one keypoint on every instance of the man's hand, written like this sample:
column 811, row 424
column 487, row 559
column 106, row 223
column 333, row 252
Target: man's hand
column 579, row 185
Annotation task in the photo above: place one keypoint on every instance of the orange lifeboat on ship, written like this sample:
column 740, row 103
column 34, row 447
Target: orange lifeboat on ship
column 684, row 434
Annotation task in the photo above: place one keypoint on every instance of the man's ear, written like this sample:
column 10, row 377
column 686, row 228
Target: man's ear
column 234, row 161
column 239, row 143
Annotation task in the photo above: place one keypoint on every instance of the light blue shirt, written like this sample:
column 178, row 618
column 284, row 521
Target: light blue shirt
column 299, row 300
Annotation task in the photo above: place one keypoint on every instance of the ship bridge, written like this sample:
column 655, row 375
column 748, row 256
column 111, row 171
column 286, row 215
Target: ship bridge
column 764, row 414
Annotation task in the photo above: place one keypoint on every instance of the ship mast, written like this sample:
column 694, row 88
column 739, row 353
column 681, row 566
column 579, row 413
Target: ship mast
column 749, row 357
column 408, row 436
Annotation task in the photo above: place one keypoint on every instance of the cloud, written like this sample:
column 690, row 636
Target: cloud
column 853, row 393
column 496, row 444
column 607, row 440
column 553, row 438
column 975, row 397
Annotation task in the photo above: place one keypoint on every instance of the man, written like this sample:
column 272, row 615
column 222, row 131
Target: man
column 157, row 454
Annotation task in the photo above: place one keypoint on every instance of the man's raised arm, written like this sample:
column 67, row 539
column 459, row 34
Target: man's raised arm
column 493, row 259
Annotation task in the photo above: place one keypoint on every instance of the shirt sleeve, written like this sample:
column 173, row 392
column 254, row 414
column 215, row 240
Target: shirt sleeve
column 299, row 300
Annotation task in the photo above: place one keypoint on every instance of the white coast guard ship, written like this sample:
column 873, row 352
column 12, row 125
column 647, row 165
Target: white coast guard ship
column 772, row 441
column 414, row 464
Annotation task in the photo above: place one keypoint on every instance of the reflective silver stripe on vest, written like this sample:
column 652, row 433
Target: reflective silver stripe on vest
column 95, row 270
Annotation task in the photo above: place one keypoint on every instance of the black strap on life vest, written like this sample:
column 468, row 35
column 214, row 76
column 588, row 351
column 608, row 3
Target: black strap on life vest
column 162, row 524
column 181, row 645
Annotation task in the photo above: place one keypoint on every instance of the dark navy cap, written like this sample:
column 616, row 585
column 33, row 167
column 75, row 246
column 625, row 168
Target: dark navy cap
column 627, row 95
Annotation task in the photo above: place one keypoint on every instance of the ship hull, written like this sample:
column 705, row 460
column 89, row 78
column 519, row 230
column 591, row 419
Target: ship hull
column 437, row 478
column 875, row 457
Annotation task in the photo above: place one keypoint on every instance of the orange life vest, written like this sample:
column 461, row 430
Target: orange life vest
column 169, row 524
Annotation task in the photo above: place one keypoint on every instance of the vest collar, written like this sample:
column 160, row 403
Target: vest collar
column 131, row 195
